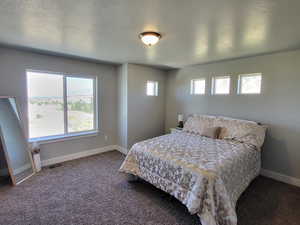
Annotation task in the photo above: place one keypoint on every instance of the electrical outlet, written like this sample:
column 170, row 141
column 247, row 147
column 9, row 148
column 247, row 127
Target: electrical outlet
column 106, row 137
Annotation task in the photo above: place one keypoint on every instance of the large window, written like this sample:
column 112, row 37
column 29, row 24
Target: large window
column 249, row 84
column 60, row 105
column 198, row 87
column 221, row 85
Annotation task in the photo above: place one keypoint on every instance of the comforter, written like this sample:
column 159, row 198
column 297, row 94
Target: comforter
column 206, row 175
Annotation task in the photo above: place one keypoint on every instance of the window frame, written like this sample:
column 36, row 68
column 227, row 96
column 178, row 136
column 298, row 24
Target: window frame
column 192, row 86
column 66, row 135
column 155, row 91
column 213, row 85
column 239, row 88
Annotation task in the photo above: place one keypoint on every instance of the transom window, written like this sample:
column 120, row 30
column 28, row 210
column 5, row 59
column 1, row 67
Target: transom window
column 249, row 83
column 221, row 85
column 60, row 105
column 198, row 86
column 152, row 88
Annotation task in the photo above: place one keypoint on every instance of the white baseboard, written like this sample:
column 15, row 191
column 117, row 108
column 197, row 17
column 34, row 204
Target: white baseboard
column 280, row 177
column 78, row 155
column 122, row 150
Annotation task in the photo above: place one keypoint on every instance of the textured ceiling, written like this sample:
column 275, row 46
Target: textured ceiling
column 194, row 31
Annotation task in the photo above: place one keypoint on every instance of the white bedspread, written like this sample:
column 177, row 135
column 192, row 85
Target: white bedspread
column 207, row 175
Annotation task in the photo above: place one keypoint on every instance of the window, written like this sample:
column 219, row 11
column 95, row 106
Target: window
column 221, row 85
column 198, row 87
column 152, row 88
column 249, row 84
column 60, row 105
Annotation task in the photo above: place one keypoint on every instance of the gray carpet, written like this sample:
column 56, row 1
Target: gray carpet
column 92, row 191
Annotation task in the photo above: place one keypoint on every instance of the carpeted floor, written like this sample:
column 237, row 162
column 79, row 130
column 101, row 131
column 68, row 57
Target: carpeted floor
column 91, row 191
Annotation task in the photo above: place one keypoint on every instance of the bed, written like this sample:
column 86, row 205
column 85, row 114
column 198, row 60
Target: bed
column 207, row 175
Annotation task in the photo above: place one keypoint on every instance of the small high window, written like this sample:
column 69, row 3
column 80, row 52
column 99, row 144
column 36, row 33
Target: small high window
column 198, row 87
column 152, row 88
column 221, row 85
column 249, row 83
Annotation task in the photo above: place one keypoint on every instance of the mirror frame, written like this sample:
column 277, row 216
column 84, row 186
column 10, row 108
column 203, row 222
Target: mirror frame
column 4, row 147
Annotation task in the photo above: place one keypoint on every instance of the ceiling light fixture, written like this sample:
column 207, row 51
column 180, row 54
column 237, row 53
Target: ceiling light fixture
column 149, row 38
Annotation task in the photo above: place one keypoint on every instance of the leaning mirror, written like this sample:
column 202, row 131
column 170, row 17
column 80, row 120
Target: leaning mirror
column 14, row 145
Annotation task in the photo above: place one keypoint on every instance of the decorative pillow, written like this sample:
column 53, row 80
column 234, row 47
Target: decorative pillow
column 211, row 132
column 241, row 130
column 197, row 123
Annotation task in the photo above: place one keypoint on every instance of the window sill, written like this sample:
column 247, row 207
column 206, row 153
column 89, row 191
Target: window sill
column 58, row 138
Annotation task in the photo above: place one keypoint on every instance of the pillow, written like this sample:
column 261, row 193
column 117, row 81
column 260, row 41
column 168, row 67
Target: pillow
column 256, row 136
column 232, row 128
column 211, row 132
column 241, row 130
column 195, row 124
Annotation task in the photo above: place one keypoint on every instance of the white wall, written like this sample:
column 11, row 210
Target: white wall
column 123, row 105
column 13, row 64
column 142, row 116
column 146, row 114
column 278, row 106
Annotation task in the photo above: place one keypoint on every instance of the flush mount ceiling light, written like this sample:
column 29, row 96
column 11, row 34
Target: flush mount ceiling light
column 149, row 38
